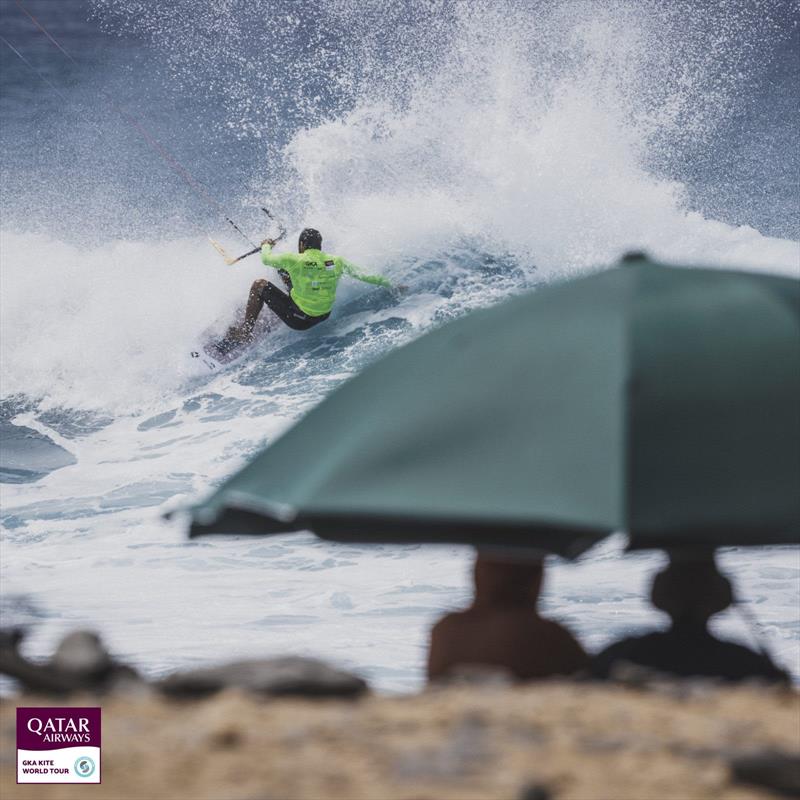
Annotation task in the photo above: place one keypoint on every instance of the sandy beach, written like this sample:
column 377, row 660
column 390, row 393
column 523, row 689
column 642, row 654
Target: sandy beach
column 547, row 740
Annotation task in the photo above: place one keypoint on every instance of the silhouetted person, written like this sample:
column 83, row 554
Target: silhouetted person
column 502, row 627
column 691, row 590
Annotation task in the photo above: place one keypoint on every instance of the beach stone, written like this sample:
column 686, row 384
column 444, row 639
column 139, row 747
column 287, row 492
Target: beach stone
column 82, row 656
column 535, row 791
column 770, row 769
column 226, row 738
column 82, row 652
column 80, row 663
column 11, row 638
column 290, row 675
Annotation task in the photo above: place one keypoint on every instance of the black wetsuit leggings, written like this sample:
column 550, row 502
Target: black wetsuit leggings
column 288, row 310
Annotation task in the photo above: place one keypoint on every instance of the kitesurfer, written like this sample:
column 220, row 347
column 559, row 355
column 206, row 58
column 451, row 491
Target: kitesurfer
column 311, row 277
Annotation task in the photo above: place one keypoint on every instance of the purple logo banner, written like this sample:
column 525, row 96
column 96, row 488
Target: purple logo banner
column 50, row 728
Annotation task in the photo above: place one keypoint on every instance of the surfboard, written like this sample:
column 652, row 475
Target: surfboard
column 213, row 358
column 204, row 359
column 212, row 355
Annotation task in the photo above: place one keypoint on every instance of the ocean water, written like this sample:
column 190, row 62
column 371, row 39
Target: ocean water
column 471, row 150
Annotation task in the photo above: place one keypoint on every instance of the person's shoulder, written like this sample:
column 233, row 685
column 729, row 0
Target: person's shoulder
column 325, row 259
column 749, row 661
column 287, row 256
column 631, row 648
column 559, row 637
column 553, row 629
column 454, row 621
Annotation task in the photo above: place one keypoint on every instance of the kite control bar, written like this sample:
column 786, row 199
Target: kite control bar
column 232, row 260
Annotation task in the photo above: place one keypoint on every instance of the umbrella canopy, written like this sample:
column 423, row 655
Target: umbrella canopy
column 658, row 400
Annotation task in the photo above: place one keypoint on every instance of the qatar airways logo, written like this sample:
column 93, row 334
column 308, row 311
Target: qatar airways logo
column 58, row 745
column 61, row 730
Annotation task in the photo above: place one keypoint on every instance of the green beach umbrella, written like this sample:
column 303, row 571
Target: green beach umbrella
column 661, row 401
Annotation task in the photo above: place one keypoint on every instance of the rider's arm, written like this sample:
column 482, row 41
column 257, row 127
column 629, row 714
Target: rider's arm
column 285, row 261
column 353, row 271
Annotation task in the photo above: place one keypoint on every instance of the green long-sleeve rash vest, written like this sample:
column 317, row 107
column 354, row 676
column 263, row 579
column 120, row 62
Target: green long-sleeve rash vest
column 315, row 276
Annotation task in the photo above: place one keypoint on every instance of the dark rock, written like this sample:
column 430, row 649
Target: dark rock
column 227, row 739
column 535, row 791
column 80, row 663
column 81, row 652
column 772, row 769
column 305, row 677
column 11, row 638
